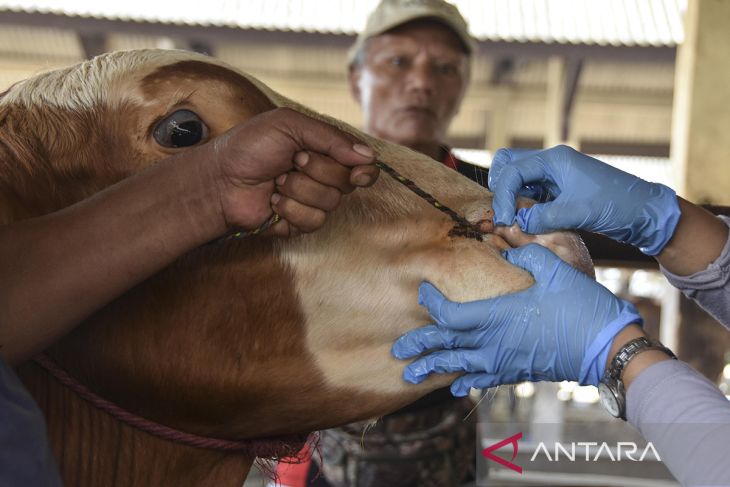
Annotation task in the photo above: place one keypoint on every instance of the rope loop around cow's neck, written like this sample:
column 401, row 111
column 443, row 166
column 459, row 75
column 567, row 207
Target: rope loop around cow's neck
column 462, row 228
column 135, row 421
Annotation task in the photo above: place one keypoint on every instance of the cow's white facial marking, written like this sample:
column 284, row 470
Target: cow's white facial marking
column 355, row 280
column 361, row 294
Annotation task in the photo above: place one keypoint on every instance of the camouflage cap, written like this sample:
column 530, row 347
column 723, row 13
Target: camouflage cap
column 392, row 13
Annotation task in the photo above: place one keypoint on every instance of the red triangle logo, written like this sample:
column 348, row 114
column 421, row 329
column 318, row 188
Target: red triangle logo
column 512, row 440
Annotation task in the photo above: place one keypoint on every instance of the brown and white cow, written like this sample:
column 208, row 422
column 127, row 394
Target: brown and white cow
column 248, row 339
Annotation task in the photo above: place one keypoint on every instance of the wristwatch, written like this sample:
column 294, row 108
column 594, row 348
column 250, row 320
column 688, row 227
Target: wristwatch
column 611, row 388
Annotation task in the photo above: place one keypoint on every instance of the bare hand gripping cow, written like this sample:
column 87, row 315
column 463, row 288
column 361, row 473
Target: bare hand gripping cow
column 568, row 327
column 60, row 268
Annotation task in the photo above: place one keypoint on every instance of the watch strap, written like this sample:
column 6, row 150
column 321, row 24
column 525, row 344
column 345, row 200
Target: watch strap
column 631, row 349
column 612, row 381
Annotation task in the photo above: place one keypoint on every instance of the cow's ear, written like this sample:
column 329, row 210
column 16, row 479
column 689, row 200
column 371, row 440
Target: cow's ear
column 353, row 77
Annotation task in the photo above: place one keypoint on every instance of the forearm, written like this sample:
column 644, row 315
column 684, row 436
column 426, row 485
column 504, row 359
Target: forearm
column 687, row 420
column 683, row 415
column 709, row 287
column 697, row 241
column 60, row 268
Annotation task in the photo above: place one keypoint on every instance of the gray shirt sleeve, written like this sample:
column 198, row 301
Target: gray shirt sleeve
column 710, row 288
column 684, row 415
column 687, row 420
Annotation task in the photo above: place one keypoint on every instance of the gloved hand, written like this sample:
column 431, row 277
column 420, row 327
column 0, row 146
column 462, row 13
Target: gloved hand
column 561, row 328
column 587, row 194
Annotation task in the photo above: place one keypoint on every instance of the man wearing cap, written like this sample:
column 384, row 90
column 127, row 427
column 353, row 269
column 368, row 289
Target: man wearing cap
column 408, row 70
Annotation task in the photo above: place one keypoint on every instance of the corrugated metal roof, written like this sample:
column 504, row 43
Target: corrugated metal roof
column 602, row 22
column 609, row 22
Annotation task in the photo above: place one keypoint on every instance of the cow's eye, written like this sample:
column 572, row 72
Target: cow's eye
column 183, row 128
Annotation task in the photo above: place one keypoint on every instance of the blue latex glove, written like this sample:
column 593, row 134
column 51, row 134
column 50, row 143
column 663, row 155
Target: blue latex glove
column 561, row 328
column 586, row 194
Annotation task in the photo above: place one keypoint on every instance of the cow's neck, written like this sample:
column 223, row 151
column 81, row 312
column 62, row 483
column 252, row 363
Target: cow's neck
column 94, row 449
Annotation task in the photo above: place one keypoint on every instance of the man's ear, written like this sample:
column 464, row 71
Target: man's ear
column 353, row 77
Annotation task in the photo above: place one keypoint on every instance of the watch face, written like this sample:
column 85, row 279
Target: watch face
column 608, row 399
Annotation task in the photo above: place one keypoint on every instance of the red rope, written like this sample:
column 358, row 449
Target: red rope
column 138, row 422
column 462, row 228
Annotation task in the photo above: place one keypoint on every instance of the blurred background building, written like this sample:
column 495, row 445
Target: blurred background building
column 644, row 84
column 593, row 72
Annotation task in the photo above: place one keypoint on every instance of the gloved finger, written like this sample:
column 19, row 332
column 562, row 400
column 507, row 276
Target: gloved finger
column 509, row 183
column 504, row 209
column 535, row 191
column 535, row 259
column 431, row 337
column 444, row 362
column 539, row 218
column 460, row 387
column 552, row 216
column 461, row 316
column 504, row 157
column 501, row 158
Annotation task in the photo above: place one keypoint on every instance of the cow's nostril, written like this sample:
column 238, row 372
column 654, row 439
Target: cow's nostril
column 486, row 225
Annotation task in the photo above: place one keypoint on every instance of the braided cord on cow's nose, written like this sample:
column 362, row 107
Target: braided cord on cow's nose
column 463, row 227
column 273, row 219
column 241, row 233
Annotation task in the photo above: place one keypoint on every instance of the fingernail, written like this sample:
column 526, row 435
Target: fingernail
column 363, row 150
column 275, row 198
column 280, row 180
column 301, row 159
column 362, row 180
column 500, row 219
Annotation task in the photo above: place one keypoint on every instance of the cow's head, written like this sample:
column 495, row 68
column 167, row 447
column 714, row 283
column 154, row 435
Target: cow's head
column 242, row 338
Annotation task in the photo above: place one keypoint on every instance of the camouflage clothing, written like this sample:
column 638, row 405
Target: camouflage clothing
column 429, row 446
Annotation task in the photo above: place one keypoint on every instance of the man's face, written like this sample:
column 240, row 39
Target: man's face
column 410, row 83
